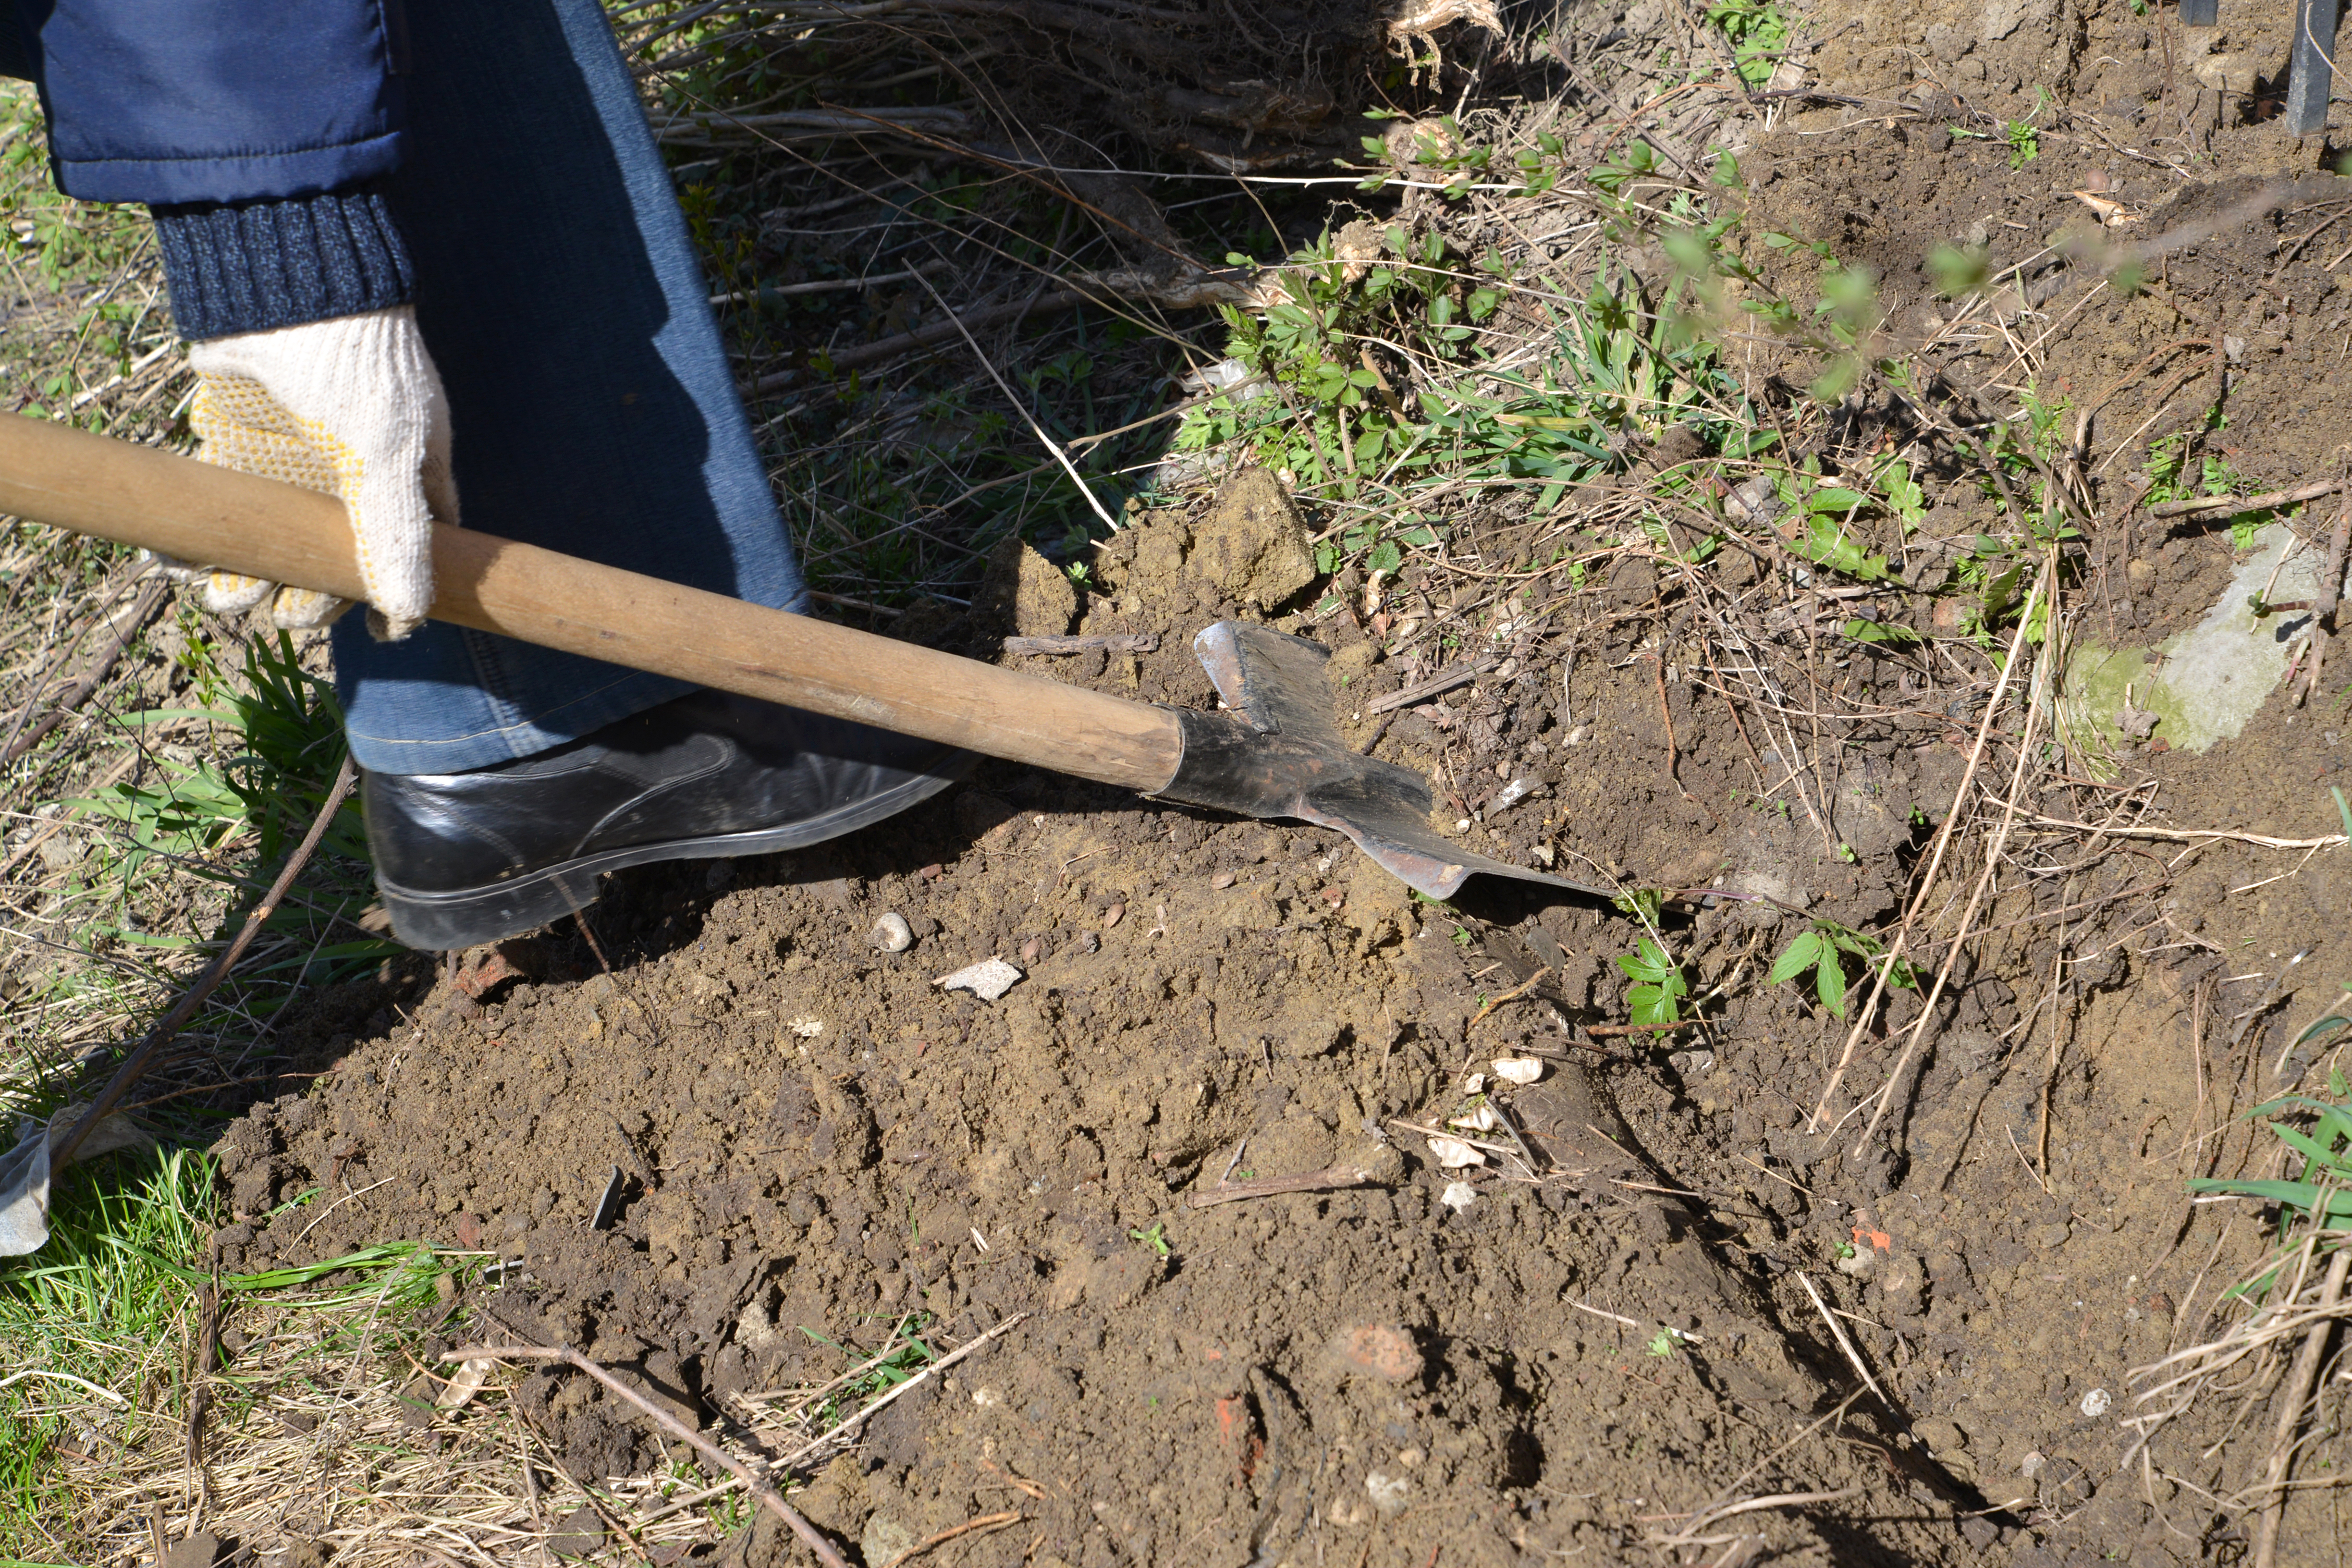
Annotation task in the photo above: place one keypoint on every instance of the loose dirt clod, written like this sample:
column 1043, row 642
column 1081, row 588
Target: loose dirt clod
column 1250, row 546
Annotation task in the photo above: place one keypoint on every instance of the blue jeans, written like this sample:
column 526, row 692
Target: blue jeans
column 591, row 407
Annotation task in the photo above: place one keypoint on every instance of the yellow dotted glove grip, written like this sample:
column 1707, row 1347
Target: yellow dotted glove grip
column 243, row 428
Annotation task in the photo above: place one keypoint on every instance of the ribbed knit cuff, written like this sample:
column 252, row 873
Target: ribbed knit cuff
column 256, row 265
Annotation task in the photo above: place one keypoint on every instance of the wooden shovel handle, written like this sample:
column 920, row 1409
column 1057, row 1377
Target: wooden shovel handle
column 178, row 506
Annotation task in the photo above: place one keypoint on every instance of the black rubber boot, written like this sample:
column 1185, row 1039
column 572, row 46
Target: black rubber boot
column 471, row 857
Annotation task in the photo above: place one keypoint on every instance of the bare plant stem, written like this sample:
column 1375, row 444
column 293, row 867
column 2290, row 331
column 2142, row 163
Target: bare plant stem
column 1976, row 897
column 2331, row 587
column 2296, row 1389
column 28, row 735
column 1885, row 966
column 767, row 1496
column 216, row 971
column 1331, row 1178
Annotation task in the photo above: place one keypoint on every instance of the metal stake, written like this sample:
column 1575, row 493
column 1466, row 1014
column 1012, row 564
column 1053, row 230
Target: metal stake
column 2312, row 73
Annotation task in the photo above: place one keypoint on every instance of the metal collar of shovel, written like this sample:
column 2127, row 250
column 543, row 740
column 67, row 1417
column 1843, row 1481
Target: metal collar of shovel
column 1284, row 757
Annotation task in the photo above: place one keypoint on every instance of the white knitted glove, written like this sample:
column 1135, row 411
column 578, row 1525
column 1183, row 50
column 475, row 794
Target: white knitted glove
column 351, row 407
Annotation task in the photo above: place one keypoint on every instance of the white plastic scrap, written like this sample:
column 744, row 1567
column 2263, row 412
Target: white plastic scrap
column 988, row 979
column 1452, row 1154
column 1519, row 1070
column 466, row 1383
column 1510, row 795
column 1226, row 376
column 1458, row 1195
column 24, row 1172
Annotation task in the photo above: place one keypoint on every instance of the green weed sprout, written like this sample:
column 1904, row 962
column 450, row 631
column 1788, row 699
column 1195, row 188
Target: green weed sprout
column 1822, row 952
column 908, row 1354
column 2024, row 143
column 1155, row 1238
column 1959, row 270
column 1659, row 984
column 1759, row 32
column 2322, row 1194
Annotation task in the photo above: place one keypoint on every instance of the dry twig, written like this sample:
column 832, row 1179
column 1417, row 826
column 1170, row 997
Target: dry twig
column 986, row 1521
column 2292, row 1396
column 1331, row 1178
column 766, row 1495
column 126, row 628
column 1885, row 965
column 172, row 1022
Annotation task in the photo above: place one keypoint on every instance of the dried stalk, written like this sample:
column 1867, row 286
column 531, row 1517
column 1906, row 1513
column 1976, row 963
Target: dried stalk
column 2331, row 586
column 878, row 1400
column 1976, row 896
column 2296, row 1392
column 2269, row 501
column 1885, row 965
column 1331, row 1178
column 184, row 1009
column 28, row 736
column 767, row 1496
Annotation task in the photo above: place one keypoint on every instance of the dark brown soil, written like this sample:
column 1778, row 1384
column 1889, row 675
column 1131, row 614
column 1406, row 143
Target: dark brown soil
column 816, row 1140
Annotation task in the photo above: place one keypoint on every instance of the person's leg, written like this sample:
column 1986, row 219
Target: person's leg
column 593, row 412
column 592, row 406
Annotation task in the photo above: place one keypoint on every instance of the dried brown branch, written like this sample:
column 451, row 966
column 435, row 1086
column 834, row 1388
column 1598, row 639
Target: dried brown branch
column 1944, row 835
column 28, row 735
column 1331, row 1178
column 141, row 1059
column 1512, row 995
column 2291, row 1397
column 2009, row 815
column 2331, row 587
column 1436, row 685
column 1118, row 642
column 766, row 1495
column 2269, row 501
column 986, row 1521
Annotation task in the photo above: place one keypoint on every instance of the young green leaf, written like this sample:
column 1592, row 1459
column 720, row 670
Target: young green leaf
column 1800, row 955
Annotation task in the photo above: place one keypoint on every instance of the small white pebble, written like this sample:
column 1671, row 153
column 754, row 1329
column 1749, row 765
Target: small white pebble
column 2097, row 1402
column 1458, row 1195
column 891, row 934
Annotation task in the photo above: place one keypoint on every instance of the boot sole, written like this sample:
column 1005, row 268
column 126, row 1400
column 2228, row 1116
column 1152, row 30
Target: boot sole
column 469, row 917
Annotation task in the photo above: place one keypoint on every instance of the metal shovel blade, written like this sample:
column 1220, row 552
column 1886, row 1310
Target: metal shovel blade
column 1279, row 754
